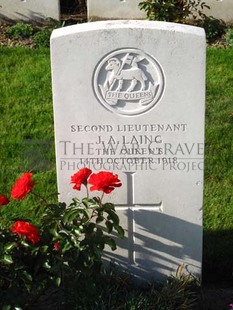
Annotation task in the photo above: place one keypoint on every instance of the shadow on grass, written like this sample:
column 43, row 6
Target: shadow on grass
column 218, row 258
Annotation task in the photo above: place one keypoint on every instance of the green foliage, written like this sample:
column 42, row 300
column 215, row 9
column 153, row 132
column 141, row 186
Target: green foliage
column 42, row 37
column 39, row 35
column 180, row 291
column 214, row 28
column 229, row 37
column 186, row 12
column 173, row 10
column 20, row 30
column 72, row 240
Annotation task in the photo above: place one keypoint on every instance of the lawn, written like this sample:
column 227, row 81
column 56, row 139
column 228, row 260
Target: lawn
column 218, row 198
column 26, row 123
column 26, row 143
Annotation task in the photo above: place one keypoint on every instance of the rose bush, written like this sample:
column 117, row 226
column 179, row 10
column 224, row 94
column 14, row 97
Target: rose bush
column 67, row 244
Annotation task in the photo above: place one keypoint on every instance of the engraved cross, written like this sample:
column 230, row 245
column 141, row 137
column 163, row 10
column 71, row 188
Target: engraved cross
column 131, row 206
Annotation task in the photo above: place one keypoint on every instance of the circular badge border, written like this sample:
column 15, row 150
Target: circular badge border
column 99, row 66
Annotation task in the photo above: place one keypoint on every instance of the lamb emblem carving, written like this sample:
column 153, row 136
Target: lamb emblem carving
column 117, row 73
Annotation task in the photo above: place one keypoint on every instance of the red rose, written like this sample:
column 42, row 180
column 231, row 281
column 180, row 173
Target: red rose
column 22, row 186
column 104, row 181
column 80, row 178
column 56, row 246
column 4, row 200
column 26, row 229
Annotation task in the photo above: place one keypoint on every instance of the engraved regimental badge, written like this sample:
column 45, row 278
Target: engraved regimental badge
column 128, row 82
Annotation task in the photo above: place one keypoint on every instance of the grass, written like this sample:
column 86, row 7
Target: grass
column 26, row 144
column 118, row 292
column 26, row 123
column 218, row 198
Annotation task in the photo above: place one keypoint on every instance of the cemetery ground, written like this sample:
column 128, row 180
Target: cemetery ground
column 26, row 132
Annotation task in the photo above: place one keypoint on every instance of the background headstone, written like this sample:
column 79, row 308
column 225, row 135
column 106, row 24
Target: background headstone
column 114, row 9
column 221, row 9
column 128, row 9
column 129, row 98
column 29, row 10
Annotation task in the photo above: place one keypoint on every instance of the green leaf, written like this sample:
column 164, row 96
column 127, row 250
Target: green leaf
column 109, row 226
column 67, row 215
column 47, row 266
column 85, row 201
column 112, row 216
column 76, row 201
column 109, row 205
column 7, row 259
column 27, row 276
column 120, row 231
column 111, row 243
column 75, row 241
column 66, row 247
column 6, row 307
column 86, row 214
column 54, row 232
column 61, row 205
column 90, row 227
column 98, row 253
column 78, row 232
column 9, row 246
column 99, row 219
column 58, row 281
column 24, row 243
column 72, row 214
column 63, row 232
column 94, row 203
column 97, row 200
column 44, row 248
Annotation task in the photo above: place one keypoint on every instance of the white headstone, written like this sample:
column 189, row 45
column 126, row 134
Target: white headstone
column 222, row 9
column 29, row 10
column 114, row 9
column 129, row 98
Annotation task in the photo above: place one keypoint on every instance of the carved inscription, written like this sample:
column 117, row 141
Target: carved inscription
column 131, row 147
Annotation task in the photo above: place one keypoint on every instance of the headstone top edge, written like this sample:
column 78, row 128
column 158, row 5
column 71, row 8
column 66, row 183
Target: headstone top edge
column 118, row 24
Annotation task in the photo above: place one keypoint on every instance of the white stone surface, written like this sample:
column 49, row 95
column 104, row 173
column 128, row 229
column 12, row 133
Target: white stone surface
column 114, row 9
column 144, row 122
column 29, row 10
column 222, row 9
